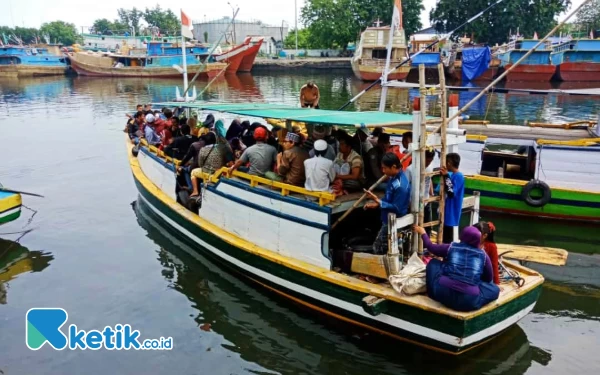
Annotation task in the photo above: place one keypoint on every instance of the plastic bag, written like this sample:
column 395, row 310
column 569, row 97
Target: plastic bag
column 411, row 279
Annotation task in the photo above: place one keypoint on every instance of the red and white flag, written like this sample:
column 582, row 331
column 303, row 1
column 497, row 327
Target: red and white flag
column 186, row 26
column 535, row 36
column 397, row 17
column 591, row 34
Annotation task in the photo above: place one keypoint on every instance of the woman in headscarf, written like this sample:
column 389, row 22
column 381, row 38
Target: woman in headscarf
column 463, row 281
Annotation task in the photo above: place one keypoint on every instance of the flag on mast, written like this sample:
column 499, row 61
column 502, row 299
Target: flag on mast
column 186, row 26
column 535, row 36
column 397, row 17
column 591, row 34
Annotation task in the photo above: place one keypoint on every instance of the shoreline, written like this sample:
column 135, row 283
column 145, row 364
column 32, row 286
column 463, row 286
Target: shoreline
column 317, row 63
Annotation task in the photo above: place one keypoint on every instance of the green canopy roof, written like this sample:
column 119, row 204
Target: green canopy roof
column 306, row 115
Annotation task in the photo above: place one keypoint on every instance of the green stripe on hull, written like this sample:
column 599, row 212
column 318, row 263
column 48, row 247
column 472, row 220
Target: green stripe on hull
column 9, row 218
column 427, row 319
column 564, row 203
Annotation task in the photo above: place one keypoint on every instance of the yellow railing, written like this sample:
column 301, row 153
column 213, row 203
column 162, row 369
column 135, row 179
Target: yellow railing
column 285, row 189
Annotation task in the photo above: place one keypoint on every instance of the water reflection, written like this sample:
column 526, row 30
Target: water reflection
column 15, row 260
column 265, row 329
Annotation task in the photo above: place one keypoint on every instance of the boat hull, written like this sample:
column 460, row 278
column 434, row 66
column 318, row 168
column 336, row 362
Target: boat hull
column 579, row 71
column 90, row 70
column 488, row 75
column 373, row 73
column 250, row 56
column 234, row 57
column 501, row 195
column 20, row 70
column 318, row 288
column 535, row 72
column 10, row 207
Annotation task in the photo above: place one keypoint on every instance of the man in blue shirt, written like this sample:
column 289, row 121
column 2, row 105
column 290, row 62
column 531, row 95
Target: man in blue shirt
column 396, row 200
column 149, row 132
column 454, row 183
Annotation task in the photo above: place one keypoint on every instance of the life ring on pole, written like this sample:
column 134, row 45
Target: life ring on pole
column 536, row 202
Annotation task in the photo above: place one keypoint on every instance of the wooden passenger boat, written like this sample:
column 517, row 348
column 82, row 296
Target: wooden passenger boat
column 369, row 59
column 293, row 253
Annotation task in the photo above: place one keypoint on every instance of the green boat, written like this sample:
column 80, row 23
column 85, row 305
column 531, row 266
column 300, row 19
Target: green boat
column 10, row 206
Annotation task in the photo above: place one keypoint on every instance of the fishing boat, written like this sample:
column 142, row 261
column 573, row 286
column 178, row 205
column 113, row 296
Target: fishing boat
column 577, row 60
column 537, row 66
column 455, row 64
column 295, row 252
column 248, row 61
column 25, row 61
column 157, row 60
column 235, row 55
column 370, row 56
column 10, row 206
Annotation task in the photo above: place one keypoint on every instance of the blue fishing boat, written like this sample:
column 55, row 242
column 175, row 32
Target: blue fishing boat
column 536, row 67
column 19, row 61
column 577, row 60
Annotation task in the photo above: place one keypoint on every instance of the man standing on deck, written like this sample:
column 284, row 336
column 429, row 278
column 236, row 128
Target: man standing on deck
column 454, row 183
column 310, row 96
column 396, row 199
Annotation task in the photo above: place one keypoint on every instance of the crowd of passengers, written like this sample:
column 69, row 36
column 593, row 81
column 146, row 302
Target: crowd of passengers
column 331, row 160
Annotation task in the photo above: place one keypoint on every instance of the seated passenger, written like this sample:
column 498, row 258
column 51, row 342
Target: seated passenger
column 134, row 127
column 214, row 156
column 261, row 156
column 320, row 133
column 349, row 166
column 373, row 162
column 180, row 145
column 362, row 145
column 319, row 170
column 463, row 281
column 396, row 199
column 150, row 133
column 290, row 163
column 489, row 246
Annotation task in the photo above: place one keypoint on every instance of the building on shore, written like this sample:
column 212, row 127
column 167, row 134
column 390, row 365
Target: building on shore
column 210, row 31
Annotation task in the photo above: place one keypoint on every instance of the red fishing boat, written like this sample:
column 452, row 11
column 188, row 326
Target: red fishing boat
column 234, row 56
column 248, row 61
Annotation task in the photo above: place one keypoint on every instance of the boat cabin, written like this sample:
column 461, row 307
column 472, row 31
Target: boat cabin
column 14, row 55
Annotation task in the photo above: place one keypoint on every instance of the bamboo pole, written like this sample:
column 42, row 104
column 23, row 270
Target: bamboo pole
column 362, row 198
column 422, row 143
column 501, row 77
column 444, row 109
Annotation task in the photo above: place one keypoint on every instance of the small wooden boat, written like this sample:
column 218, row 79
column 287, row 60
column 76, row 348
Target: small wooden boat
column 248, row 61
column 158, row 60
column 10, row 206
column 24, row 61
column 370, row 56
column 537, row 67
column 577, row 60
column 293, row 253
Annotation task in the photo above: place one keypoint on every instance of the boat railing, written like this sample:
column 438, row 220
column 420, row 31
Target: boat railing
column 562, row 47
column 254, row 181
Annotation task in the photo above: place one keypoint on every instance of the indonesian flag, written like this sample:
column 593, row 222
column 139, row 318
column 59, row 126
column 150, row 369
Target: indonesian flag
column 186, row 26
column 397, row 17
column 535, row 36
column 591, row 34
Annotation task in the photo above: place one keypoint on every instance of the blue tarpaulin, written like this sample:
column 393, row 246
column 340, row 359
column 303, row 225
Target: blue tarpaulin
column 428, row 59
column 475, row 61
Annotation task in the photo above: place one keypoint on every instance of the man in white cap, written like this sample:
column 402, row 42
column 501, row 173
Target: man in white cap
column 320, row 132
column 150, row 133
column 319, row 170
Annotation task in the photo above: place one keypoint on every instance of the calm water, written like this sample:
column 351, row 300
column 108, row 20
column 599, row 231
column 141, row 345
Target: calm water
column 107, row 260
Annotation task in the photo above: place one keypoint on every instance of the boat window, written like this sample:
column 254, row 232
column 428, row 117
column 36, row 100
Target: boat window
column 379, row 54
column 509, row 161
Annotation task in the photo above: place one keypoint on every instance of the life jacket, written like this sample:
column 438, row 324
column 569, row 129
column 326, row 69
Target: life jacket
column 464, row 263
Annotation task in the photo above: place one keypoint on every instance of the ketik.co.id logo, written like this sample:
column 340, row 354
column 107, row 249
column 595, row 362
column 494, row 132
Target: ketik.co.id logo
column 43, row 325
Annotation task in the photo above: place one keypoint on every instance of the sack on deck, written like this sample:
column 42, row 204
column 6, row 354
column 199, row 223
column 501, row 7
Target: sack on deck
column 411, row 279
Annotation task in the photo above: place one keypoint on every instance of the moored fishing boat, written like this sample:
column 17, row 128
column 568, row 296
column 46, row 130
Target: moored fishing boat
column 234, row 56
column 577, row 60
column 295, row 252
column 158, row 60
column 537, row 66
column 470, row 57
column 25, row 61
column 248, row 61
column 10, row 206
column 371, row 53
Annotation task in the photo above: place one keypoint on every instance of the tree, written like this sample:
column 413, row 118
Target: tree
column 495, row 26
column 304, row 39
column 61, row 32
column 589, row 15
column 166, row 21
column 337, row 22
column 131, row 18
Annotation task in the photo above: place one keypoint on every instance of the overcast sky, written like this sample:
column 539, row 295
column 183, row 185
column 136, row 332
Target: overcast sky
column 32, row 13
